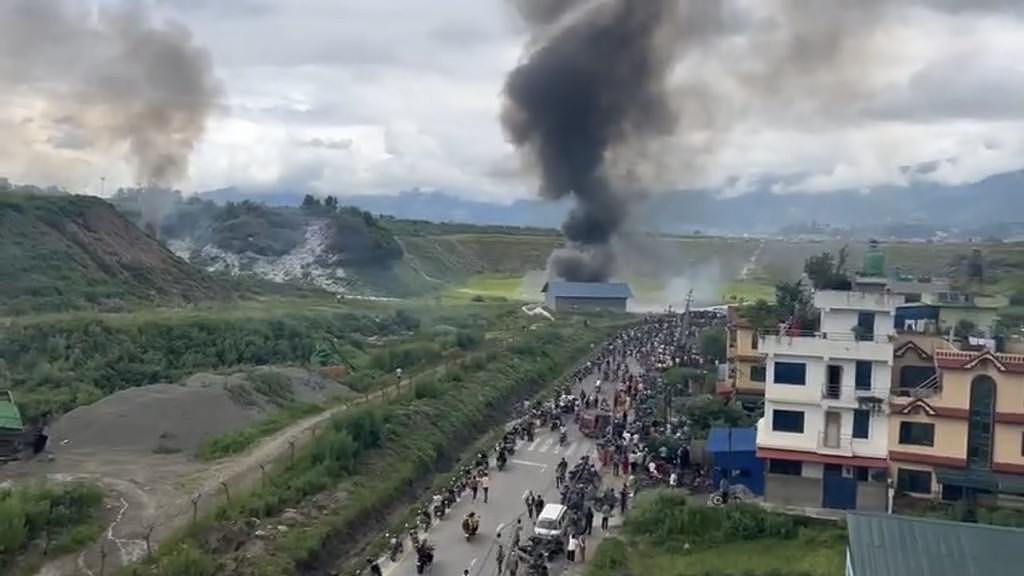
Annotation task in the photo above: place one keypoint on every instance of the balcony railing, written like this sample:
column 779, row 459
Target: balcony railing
column 835, row 336
column 835, row 443
column 927, row 389
column 852, row 393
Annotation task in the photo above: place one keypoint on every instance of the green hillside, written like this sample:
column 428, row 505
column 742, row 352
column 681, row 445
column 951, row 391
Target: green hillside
column 71, row 252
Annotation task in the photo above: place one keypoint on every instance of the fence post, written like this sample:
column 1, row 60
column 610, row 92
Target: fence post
column 195, row 507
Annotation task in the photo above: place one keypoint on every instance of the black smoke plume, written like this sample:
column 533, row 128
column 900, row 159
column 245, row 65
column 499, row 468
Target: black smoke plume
column 588, row 89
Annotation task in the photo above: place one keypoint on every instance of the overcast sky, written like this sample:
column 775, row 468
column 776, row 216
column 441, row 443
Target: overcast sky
column 358, row 96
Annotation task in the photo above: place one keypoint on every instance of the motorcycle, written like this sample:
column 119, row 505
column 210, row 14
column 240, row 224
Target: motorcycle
column 424, row 557
column 470, row 526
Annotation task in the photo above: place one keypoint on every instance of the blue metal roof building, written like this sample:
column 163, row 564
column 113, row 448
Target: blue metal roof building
column 586, row 296
column 734, row 451
column 884, row 545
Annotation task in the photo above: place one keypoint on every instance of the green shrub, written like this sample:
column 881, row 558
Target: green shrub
column 186, row 560
column 69, row 512
column 611, row 558
column 664, row 518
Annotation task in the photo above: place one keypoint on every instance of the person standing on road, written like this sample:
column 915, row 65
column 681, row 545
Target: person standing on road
column 606, row 514
column 500, row 557
column 485, row 483
column 513, row 562
column 582, row 549
column 528, row 500
column 623, row 499
column 474, row 485
column 538, row 505
column 588, row 519
column 517, row 534
column 570, row 551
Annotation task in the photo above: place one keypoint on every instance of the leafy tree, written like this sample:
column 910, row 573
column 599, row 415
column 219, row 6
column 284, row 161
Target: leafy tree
column 794, row 305
column 311, row 203
column 965, row 329
column 827, row 272
column 713, row 345
column 760, row 314
column 331, row 204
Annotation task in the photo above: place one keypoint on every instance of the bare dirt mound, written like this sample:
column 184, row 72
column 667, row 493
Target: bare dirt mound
column 171, row 418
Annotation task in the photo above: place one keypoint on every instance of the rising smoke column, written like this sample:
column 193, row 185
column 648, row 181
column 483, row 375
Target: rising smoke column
column 593, row 85
column 108, row 79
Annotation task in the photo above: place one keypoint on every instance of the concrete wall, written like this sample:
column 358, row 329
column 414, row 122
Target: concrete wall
column 1006, row 445
column 564, row 304
column 872, row 496
column 950, row 436
column 792, row 490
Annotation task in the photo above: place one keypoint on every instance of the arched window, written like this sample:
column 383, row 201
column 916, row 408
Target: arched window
column 979, row 431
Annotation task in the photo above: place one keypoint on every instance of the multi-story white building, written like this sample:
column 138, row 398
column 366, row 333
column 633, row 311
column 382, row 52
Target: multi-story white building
column 825, row 433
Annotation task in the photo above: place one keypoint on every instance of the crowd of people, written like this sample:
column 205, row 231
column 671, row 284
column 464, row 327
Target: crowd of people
column 623, row 382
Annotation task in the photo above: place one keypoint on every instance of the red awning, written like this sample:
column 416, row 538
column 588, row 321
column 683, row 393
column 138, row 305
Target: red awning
column 774, row 454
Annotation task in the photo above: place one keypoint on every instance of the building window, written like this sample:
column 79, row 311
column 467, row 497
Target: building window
column 863, row 375
column 786, row 467
column 861, row 423
column 788, row 421
column 979, row 427
column 862, row 474
column 757, row 373
column 914, row 376
column 791, row 373
column 914, row 481
column 865, row 328
column 917, row 433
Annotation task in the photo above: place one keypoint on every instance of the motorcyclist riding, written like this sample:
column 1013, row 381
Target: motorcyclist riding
column 470, row 525
column 562, row 435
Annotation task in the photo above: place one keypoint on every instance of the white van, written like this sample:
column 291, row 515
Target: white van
column 550, row 524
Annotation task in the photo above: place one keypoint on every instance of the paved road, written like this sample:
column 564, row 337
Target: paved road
column 532, row 467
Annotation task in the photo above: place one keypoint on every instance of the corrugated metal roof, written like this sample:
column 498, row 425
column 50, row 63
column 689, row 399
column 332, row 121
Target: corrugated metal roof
column 560, row 289
column 883, row 545
column 10, row 418
column 739, row 440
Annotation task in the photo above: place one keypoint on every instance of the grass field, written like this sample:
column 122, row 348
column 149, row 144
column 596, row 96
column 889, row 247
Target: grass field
column 666, row 536
column 804, row 556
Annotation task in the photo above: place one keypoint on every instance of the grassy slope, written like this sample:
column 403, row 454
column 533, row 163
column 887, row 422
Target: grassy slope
column 66, row 252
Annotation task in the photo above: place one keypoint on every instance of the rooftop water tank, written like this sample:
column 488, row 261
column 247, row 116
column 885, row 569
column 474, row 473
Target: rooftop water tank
column 874, row 260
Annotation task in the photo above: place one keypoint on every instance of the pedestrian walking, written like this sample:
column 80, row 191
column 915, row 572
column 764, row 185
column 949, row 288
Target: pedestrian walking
column 485, row 483
column 582, row 549
column 500, row 557
column 589, row 520
column 517, row 534
column 538, row 505
column 570, row 552
column 615, row 466
column 513, row 562
column 623, row 499
column 528, row 500
column 474, row 486
column 606, row 514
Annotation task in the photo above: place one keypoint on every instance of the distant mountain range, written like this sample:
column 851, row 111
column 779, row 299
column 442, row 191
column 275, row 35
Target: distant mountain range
column 993, row 206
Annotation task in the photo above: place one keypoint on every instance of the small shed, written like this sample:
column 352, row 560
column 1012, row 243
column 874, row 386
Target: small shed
column 586, row 296
column 733, row 451
column 11, row 427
